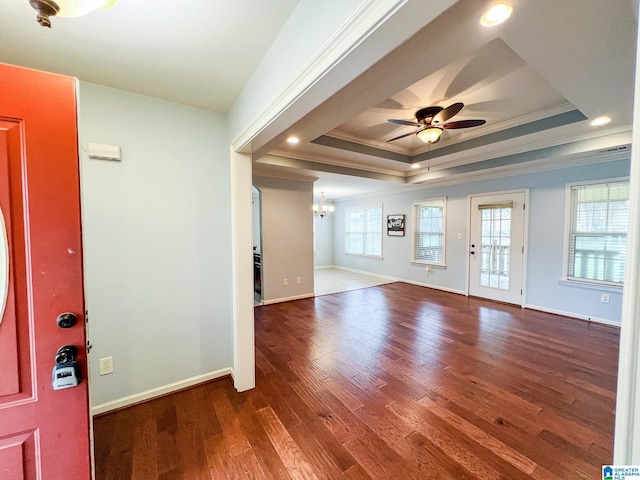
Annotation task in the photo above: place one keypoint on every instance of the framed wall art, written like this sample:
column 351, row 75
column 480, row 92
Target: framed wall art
column 395, row 225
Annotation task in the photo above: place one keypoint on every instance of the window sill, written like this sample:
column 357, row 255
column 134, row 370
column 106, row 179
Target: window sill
column 592, row 286
column 441, row 266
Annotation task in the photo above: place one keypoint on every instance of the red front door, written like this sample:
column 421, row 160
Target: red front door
column 43, row 433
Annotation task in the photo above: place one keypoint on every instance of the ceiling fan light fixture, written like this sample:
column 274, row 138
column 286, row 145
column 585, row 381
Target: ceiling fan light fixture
column 497, row 14
column 430, row 134
column 66, row 8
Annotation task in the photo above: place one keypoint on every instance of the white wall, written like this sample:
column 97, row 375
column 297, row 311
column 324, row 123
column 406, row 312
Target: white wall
column 307, row 30
column 287, row 239
column 156, row 242
column 544, row 288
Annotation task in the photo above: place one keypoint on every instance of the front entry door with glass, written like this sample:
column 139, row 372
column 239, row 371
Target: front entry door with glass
column 496, row 246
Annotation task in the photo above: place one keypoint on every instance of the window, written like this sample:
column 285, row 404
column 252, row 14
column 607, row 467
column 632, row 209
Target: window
column 429, row 231
column 363, row 231
column 597, row 243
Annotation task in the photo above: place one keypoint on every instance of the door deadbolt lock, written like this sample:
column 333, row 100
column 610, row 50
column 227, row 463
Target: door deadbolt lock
column 66, row 320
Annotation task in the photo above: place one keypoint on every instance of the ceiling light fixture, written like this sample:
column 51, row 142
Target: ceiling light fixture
column 430, row 134
column 323, row 210
column 497, row 14
column 600, row 121
column 415, row 166
column 293, row 140
column 66, row 8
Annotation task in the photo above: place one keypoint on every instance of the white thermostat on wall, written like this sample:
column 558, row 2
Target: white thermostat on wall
column 104, row 152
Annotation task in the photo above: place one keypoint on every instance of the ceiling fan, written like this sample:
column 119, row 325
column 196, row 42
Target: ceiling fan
column 431, row 121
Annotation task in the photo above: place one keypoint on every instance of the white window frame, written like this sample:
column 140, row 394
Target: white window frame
column 567, row 234
column 414, row 232
column 346, row 230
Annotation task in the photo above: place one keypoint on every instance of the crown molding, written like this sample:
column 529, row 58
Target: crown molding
column 473, row 157
column 369, row 15
column 311, row 157
column 535, row 166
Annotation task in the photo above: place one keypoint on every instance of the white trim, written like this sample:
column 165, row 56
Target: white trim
column 288, row 299
column 588, row 318
column 382, row 225
column 434, row 287
column 242, row 286
column 414, row 224
column 525, row 239
column 4, row 262
column 365, row 20
column 567, row 232
column 322, row 267
column 540, row 165
column 626, row 445
column 159, row 391
column 605, row 287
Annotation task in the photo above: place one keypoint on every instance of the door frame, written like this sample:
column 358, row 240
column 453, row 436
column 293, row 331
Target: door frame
column 525, row 239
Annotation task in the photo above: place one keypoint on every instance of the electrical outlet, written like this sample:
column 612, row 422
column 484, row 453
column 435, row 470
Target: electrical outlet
column 604, row 298
column 459, row 236
column 285, row 281
column 106, row 365
column 298, row 280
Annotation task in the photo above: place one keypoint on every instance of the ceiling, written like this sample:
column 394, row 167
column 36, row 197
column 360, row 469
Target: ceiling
column 197, row 52
column 538, row 80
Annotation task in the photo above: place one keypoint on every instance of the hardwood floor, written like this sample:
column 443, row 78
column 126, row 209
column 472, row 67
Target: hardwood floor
column 393, row 382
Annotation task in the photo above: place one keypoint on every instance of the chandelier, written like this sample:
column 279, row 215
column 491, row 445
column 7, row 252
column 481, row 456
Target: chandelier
column 66, row 8
column 322, row 210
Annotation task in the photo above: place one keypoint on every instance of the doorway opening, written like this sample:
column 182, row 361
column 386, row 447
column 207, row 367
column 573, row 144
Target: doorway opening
column 256, row 200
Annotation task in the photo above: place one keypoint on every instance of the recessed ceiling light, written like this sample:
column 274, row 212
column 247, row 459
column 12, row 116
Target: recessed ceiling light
column 600, row 121
column 293, row 140
column 415, row 165
column 496, row 14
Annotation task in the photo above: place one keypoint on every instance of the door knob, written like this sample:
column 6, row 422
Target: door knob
column 66, row 373
column 66, row 320
column 66, row 354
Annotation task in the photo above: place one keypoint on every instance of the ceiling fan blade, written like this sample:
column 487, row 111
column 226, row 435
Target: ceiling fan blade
column 404, row 122
column 448, row 112
column 464, row 124
column 402, row 136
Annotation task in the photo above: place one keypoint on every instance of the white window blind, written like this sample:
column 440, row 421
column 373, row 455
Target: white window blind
column 429, row 231
column 598, row 232
column 363, row 231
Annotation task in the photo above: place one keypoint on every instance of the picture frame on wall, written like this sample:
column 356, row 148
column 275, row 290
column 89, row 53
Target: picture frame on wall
column 395, row 225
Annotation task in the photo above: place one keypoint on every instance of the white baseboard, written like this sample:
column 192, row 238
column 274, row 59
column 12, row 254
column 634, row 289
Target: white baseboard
column 435, row 287
column 404, row 280
column 603, row 321
column 157, row 392
column 321, row 267
column 288, row 299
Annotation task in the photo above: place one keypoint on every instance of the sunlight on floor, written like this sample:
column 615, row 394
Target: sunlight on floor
column 333, row 280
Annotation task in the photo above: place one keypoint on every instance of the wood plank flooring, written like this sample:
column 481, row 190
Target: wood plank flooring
column 389, row 382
